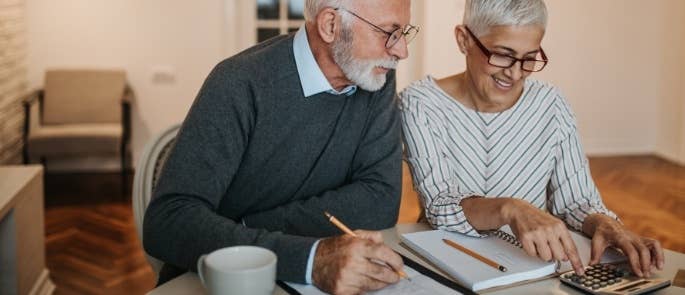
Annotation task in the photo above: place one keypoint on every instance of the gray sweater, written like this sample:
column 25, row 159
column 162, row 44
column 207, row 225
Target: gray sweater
column 254, row 149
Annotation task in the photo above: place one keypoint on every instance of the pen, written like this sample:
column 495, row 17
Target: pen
column 475, row 255
column 348, row 231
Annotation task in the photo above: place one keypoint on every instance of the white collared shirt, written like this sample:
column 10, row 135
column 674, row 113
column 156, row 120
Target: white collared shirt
column 312, row 78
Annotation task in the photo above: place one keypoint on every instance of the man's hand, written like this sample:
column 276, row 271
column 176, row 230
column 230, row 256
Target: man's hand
column 345, row 264
column 542, row 234
column 644, row 254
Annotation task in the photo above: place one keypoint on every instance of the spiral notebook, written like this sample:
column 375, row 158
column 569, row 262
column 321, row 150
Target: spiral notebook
column 501, row 247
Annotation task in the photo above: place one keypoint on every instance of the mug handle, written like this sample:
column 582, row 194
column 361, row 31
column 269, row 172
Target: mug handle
column 200, row 268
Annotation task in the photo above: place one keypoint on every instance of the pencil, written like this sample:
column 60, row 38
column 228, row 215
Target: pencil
column 348, row 231
column 475, row 255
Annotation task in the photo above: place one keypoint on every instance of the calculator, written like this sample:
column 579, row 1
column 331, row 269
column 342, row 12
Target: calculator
column 614, row 279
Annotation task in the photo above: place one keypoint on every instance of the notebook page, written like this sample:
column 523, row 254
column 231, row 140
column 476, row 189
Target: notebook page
column 419, row 284
column 473, row 273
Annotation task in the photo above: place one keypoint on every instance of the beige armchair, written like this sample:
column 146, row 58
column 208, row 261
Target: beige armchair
column 79, row 113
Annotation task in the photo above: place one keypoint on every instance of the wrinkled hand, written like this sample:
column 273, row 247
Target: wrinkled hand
column 344, row 264
column 644, row 254
column 542, row 234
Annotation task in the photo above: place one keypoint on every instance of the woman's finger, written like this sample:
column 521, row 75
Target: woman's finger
column 645, row 256
column 542, row 247
column 633, row 256
column 572, row 253
column 657, row 252
column 599, row 245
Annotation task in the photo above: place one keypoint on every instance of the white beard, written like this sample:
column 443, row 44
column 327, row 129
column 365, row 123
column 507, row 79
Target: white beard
column 359, row 71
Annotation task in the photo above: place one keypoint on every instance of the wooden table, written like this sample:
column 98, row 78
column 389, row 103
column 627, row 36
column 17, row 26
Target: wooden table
column 22, row 234
column 189, row 283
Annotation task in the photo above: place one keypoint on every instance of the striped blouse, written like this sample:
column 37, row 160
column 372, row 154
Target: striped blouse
column 530, row 151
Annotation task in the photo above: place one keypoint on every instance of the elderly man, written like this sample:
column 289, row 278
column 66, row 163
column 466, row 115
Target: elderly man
column 283, row 131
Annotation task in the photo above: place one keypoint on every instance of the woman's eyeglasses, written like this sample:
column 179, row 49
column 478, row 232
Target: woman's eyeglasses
column 507, row 61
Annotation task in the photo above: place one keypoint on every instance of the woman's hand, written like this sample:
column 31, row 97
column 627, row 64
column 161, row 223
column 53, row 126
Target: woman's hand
column 643, row 253
column 541, row 234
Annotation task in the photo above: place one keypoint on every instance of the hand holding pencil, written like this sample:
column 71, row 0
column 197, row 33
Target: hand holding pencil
column 348, row 231
column 350, row 264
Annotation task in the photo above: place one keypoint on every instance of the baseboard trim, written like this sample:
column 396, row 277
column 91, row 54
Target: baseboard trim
column 43, row 286
column 671, row 158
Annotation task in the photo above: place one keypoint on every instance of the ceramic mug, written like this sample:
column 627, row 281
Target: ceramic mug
column 238, row 270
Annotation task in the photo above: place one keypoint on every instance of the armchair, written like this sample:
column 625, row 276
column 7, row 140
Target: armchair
column 78, row 113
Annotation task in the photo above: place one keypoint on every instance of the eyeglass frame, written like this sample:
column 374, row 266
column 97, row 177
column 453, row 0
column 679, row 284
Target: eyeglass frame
column 403, row 30
column 514, row 59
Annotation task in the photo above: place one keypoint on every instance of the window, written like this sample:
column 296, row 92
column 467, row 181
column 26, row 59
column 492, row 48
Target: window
column 277, row 17
column 247, row 22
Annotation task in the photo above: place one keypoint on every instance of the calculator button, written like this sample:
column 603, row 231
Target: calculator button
column 603, row 284
column 595, row 286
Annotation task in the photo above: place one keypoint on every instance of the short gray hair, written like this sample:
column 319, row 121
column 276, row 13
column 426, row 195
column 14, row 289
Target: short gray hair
column 313, row 7
column 481, row 15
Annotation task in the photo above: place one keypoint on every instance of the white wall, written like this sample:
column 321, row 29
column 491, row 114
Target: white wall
column 613, row 59
column 619, row 62
column 671, row 130
column 179, row 40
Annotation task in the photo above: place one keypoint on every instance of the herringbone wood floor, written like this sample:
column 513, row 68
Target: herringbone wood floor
column 92, row 246
column 91, row 242
column 647, row 193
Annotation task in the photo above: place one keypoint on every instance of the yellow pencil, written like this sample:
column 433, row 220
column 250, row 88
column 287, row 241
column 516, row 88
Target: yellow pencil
column 475, row 255
column 348, row 231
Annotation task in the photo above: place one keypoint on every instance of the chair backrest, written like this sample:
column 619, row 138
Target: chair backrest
column 411, row 209
column 83, row 96
column 149, row 167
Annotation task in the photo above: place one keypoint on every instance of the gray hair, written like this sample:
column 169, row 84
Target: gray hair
column 481, row 15
column 313, row 7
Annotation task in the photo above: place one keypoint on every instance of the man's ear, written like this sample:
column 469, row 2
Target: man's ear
column 327, row 23
column 460, row 36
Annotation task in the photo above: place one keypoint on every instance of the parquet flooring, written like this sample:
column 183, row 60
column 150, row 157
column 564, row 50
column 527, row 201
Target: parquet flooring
column 647, row 193
column 91, row 242
column 92, row 246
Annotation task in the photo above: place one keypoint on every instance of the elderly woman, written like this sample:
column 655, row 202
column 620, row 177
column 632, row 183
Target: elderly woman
column 490, row 147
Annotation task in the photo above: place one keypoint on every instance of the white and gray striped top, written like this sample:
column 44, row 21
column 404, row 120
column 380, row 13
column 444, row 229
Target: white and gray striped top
column 530, row 151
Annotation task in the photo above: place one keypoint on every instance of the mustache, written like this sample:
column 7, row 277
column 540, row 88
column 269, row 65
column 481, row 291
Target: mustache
column 386, row 63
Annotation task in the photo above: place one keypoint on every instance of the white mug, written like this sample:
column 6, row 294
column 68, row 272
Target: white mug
column 238, row 270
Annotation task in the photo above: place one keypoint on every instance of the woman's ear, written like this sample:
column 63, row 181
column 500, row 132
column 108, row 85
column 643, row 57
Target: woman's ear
column 461, row 37
column 327, row 23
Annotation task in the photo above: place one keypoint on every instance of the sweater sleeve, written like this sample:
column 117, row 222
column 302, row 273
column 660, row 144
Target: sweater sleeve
column 182, row 223
column 370, row 199
column 432, row 171
column 572, row 191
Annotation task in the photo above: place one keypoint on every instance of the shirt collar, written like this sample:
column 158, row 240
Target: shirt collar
column 312, row 78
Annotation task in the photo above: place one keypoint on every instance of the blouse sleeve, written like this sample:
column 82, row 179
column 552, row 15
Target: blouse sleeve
column 572, row 191
column 432, row 172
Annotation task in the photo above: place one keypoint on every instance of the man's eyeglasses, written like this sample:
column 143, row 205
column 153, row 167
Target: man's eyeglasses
column 506, row 61
column 408, row 31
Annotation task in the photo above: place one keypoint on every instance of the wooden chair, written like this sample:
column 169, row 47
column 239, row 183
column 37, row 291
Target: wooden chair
column 411, row 210
column 147, row 173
